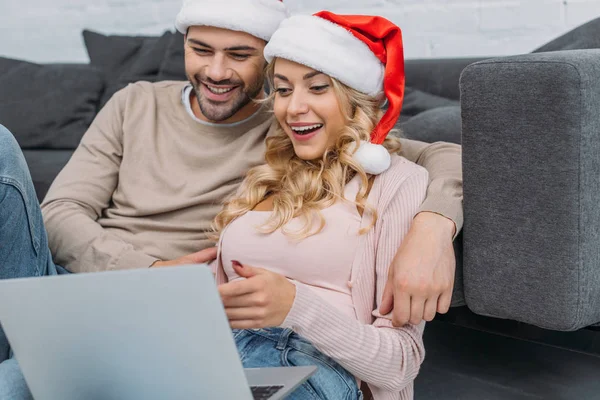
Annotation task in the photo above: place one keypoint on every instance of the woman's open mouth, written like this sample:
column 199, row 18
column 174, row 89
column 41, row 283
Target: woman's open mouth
column 305, row 131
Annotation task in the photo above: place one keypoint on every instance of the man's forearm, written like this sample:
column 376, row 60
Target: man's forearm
column 78, row 243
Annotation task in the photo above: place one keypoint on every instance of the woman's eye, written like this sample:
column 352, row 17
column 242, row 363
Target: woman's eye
column 282, row 91
column 319, row 88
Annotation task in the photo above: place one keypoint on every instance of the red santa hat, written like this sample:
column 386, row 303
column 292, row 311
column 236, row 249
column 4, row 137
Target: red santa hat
column 259, row 18
column 363, row 52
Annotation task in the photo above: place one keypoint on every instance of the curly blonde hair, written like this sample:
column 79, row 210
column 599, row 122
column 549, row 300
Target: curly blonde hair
column 302, row 188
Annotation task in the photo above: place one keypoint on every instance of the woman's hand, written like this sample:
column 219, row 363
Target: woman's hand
column 262, row 300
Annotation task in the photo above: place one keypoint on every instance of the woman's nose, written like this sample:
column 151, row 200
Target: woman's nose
column 298, row 104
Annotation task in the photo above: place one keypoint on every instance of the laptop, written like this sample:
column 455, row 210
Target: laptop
column 137, row 334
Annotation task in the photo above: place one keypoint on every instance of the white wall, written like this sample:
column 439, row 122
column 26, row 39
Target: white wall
column 49, row 30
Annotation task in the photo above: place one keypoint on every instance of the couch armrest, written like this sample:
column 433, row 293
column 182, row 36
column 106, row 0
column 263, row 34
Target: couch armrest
column 531, row 160
column 437, row 76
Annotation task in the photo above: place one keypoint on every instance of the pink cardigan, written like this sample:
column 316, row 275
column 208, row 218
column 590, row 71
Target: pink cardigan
column 386, row 358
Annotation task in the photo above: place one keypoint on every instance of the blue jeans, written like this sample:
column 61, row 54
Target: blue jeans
column 23, row 246
column 278, row 347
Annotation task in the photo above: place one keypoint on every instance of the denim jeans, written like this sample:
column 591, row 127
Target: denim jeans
column 278, row 347
column 23, row 246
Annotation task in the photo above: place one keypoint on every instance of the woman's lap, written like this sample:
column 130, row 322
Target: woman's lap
column 278, row 347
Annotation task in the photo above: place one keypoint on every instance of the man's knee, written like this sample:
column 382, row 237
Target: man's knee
column 13, row 167
column 12, row 382
column 7, row 140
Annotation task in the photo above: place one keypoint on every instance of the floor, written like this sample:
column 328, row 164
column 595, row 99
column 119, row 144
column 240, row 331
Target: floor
column 470, row 363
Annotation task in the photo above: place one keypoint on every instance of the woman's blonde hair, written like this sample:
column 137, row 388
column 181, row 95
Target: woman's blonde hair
column 301, row 188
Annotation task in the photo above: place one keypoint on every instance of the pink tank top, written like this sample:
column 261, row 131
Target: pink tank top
column 322, row 261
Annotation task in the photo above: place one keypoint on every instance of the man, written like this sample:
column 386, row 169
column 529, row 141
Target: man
column 151, row 172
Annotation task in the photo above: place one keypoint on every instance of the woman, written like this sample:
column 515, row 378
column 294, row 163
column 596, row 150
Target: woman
column 305, row 245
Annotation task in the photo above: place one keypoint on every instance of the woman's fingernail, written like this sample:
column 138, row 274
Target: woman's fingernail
column 237, row 263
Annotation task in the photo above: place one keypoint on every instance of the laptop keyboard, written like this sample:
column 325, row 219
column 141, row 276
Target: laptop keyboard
column 264, row 392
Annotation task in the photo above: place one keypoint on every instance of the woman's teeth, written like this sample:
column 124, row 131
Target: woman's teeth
column 216, row 90
column 304, row 130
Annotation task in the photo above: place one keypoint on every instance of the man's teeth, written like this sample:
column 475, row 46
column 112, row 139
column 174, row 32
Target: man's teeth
column 304, row 129
column 216, row 90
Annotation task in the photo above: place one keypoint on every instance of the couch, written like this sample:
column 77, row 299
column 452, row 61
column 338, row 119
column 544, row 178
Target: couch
column 528, row 259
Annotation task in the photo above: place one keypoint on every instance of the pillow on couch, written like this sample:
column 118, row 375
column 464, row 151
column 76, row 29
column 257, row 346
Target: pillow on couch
column 586, row 36
column 173, row 65
column 48, row 106
column 437, row 124
column 417, row 101
column 44, row 166
column 125, row 59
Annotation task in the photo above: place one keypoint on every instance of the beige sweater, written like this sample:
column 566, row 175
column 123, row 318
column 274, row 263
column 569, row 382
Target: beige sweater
column 147, row 180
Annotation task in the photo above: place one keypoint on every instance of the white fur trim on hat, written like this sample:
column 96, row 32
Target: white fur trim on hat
column 329, row 48
column 374, row 158
column 259, row 18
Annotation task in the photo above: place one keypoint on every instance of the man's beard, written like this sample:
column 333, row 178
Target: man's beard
column 219, row 112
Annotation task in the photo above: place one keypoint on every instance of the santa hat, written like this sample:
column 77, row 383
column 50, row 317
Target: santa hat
column 363, row 52
column 259, row 18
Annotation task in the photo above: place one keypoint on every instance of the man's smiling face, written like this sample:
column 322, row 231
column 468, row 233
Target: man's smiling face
column 226, row 69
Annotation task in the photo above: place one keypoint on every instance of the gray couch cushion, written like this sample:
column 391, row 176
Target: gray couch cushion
column 44, row 165
column 438, row 77
column 531, row 139
column 48, row 106
column 586, row 36
column 437, row 124
column 416, row 101
column 125, row 59
column 173, row 65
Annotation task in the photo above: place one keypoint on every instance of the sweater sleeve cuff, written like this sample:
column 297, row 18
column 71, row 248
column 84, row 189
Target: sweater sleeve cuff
column 132, row 259
column 449, row 208
column 300, row 313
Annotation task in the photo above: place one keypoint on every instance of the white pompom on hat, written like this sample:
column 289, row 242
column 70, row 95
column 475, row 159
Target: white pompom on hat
column 259, row 18
column 363, row 52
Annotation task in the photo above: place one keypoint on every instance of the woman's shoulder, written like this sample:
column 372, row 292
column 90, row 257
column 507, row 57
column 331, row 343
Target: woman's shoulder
column 401, row 174
column 400, row 170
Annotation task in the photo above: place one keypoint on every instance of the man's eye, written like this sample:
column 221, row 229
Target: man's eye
column 240, row 57
column 201, row 51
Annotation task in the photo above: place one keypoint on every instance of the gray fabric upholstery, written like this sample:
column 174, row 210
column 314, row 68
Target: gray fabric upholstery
column 437, row 124
column 586, row 36
column 48, row 106
column 437, row 77
column 458, row 291
column 531, row 145
column 125, row 59
column 173, row 65
column 416, row 101
column 44, row 165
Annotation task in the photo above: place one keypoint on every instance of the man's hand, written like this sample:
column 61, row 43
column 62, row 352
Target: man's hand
column 421, row 277
column 262, row 300
column 203, row 256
